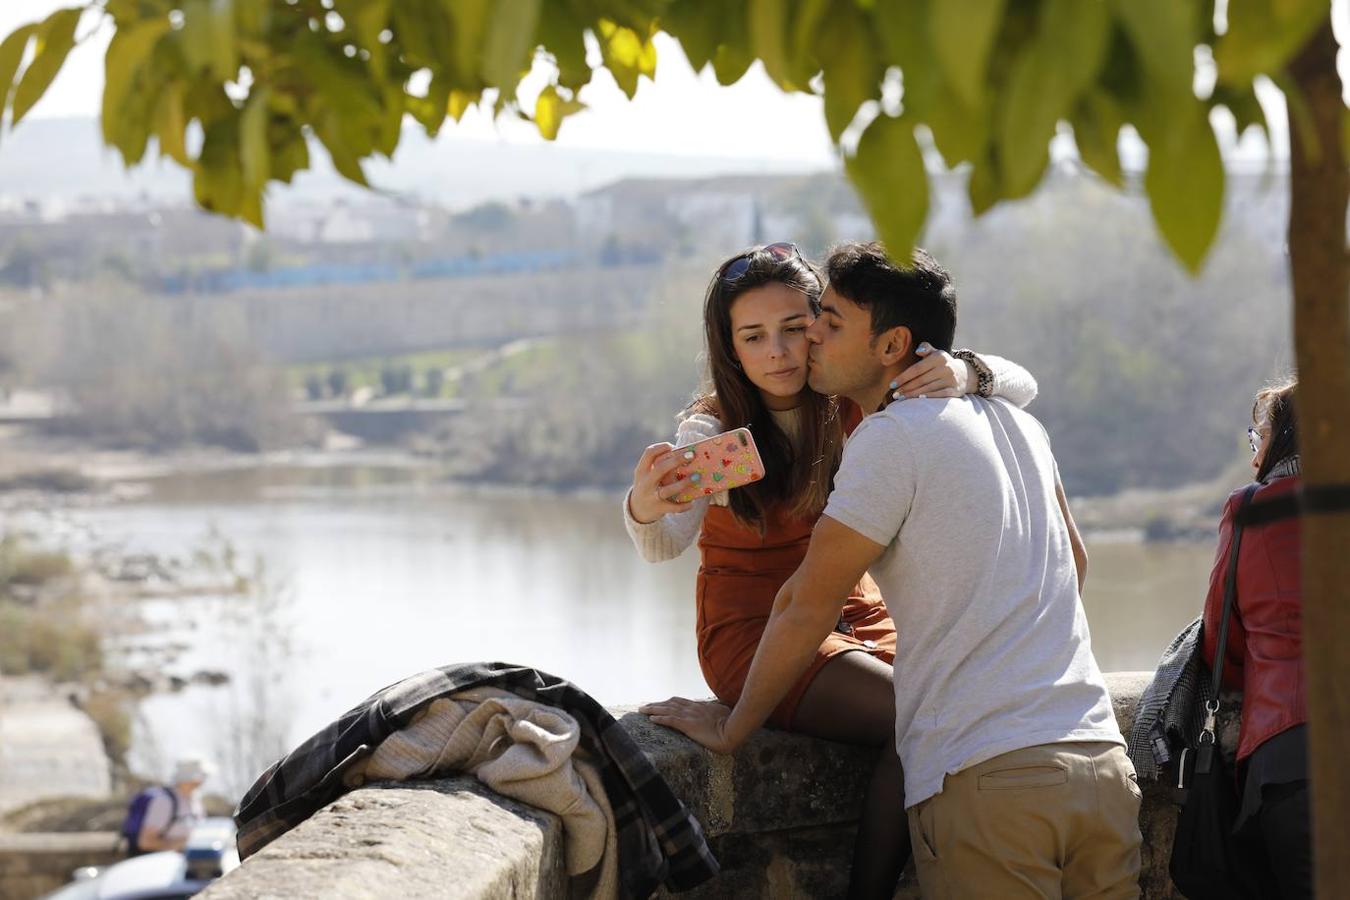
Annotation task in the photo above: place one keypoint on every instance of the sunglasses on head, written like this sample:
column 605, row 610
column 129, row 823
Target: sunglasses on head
column 780, row 251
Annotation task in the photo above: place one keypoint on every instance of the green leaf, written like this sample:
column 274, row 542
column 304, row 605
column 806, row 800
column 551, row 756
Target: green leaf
column 423, row 30
column 1263, row 34
column 961, row 135
column 1185, row 183
column 963, row 33
column 733, row 57
column 171, row 122
column 694, row 23
column 217, row 182
column 251, row 17
column 563, row 35
column 1096, row 129
column 889, row 174
column 769, row 39
column 803, row 63
column 291, row 154
column 254, row 154
column 1243, row 104
column 1075, row 33
column 626, row 54
column 902, row 28
column 470, row 23
column 128, row 52
column 11, row 54
column 1164, row 37
column 393, row 102
column 346, row 160
column 429, row 111
column 1047, row 78
column 984, row 188
column 340, row 82
column 55, row 37
column 224, row 43
column 197, row 35
column 367, row 19
column 550, row 110
column 1027, row 120
column 510, row 41
column 851, row 67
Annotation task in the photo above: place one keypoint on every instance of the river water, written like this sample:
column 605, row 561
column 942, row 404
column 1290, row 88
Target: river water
column 373, row 575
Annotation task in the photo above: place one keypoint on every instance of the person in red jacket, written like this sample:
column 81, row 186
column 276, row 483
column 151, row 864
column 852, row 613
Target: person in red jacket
column 1264, row 657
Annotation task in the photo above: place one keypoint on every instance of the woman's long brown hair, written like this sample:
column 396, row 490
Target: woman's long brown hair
column 797, row 475
column 1275, row 405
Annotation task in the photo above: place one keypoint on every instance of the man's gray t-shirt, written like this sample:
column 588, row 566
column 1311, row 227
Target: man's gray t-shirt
column 992, row 652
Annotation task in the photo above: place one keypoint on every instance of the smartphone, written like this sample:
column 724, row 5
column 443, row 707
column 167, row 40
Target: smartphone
column 718, row 463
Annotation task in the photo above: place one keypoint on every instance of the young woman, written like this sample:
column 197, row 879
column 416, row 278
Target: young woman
column 1264, row 656
column 756, row 310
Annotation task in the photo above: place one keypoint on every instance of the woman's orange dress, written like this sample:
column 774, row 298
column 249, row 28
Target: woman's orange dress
column 738, row 579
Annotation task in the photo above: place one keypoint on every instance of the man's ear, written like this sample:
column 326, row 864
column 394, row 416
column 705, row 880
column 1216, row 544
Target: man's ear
column 896, row 345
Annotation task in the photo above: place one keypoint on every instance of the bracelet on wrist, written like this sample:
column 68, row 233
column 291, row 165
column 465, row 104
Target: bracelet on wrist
column 984, row 376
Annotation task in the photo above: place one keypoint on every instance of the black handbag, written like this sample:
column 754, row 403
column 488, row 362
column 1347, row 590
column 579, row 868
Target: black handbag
column 1207, row 863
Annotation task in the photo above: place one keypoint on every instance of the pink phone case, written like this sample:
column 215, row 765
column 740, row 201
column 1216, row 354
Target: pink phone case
column 718, row 463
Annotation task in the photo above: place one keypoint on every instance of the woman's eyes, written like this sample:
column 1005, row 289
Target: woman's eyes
column 791, row 329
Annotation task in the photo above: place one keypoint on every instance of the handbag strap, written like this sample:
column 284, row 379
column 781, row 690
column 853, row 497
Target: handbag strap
column 1229, row 601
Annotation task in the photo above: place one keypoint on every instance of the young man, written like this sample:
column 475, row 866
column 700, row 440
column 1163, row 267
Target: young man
column 1016, row 778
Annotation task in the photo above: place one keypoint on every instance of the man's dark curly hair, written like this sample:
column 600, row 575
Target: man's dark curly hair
column 920, row 296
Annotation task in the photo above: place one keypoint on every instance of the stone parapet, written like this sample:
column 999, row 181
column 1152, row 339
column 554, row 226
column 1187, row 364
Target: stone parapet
column 34, row 864
column 780, row 815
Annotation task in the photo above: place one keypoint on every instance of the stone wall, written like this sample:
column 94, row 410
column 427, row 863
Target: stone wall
column 34, row 864
column 780, row 816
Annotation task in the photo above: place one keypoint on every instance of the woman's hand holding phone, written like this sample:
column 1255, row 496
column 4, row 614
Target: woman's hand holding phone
column 653, row 487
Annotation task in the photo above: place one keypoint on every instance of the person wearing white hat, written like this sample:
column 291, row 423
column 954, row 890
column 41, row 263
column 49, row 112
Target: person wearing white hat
column 173, row 811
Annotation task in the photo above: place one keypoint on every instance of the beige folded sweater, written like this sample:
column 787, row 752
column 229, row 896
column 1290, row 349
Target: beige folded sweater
column 521, row 749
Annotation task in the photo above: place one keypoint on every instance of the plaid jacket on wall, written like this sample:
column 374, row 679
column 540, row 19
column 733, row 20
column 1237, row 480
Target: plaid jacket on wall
column 659, row 841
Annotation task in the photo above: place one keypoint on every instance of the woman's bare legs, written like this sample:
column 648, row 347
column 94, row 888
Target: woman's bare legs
column 852, row 699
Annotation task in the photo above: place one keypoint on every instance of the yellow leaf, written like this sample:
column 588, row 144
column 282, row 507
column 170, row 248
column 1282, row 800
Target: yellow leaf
column 55, row 37
column 459, row 103
column 550, row 110
column 626, row 54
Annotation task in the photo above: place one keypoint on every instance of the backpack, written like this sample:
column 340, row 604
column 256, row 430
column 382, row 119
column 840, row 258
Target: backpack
column 135, row 817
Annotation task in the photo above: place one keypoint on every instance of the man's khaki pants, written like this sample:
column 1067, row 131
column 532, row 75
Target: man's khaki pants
column 1057, row 820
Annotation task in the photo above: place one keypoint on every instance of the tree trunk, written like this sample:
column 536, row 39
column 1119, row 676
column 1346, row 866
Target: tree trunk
column 1319, row 188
